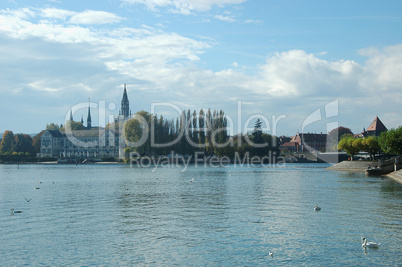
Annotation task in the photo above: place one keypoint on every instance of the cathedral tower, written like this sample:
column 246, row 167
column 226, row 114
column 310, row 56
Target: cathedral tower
column 89, row 121
column 125, row 105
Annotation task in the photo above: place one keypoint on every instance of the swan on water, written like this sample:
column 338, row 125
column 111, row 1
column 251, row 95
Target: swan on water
column 15, row 211
column 369, row 244
column 316, row 208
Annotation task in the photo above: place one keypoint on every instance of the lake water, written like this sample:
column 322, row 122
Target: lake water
column 116, row 215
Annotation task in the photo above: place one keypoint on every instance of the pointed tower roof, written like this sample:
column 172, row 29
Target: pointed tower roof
column 125, row 105
column 89, row 124
column 71, row 115
column 125, row 97
column 377, row 125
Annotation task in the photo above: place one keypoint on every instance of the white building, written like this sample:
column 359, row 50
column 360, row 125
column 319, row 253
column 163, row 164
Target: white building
column 91, row 143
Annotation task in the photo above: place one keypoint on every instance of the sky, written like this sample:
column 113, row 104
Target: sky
column 304, row 66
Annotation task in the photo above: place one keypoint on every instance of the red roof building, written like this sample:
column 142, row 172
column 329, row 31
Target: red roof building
column 376, row 127
column 302, row 142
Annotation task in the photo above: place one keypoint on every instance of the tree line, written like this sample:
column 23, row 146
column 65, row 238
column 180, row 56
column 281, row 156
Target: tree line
column 202, row 131
column 19, row 144
column 24, row 145
column 389, row 142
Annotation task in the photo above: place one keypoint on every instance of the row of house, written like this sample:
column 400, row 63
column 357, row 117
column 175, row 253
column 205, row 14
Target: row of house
column 303, row 142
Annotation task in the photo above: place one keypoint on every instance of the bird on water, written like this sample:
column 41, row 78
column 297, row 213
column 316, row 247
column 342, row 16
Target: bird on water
column 316, row 208
column 13, row 211
column 369, row 244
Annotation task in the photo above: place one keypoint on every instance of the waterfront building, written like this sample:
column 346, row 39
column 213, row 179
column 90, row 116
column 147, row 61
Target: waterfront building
column 92, row 142
column 303, row 142
column 375, row 129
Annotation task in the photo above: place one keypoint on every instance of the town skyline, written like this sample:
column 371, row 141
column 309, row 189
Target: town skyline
column 287, row 58
column 81, row 112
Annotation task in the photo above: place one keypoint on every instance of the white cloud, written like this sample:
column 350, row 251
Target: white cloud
column 68, row 61
column 295, row 73
column 254, row 21
column 90, row 17
column 225, row 18
column 184, row 6
column 56, row 13
column 384, row 68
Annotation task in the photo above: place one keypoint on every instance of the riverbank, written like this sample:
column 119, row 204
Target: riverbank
column 397, row 176
column 358, row 166
column 362, row 166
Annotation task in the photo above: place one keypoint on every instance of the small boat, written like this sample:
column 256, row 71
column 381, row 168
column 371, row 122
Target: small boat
column 373, row 170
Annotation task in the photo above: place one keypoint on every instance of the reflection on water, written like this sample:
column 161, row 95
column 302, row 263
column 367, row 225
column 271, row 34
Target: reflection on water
column 116, row 215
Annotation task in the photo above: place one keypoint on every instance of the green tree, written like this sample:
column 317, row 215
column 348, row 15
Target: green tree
column 73, row 125
column 53, row 127
column 137, row 131
column 7, row 143
column 36, row 141
column 256, row 137
column 370, row 145
column 23, row 143
column 391, row 141
column 350, row 145
column 201, row 125
column 127, row 152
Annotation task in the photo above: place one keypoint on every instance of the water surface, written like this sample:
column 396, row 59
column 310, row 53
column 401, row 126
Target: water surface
column 117, row 215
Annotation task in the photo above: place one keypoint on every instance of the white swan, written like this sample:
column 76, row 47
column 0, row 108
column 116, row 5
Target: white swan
column 316, row 208
column 15, row 211
column 369, row 244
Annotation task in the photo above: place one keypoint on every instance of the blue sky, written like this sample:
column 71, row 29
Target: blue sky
column 271, row 58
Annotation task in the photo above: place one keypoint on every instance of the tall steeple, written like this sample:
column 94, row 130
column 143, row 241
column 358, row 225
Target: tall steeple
column 125, row 105
column 71, row 115
column 89, row 121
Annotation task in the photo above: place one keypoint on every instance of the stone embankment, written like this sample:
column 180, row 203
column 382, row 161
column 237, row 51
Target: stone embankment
column 397, row 176
column 361, row 166
column 353, row 165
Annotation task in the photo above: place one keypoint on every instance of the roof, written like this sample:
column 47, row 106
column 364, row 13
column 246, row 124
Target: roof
column 93, row 132
column 289, row 144
column 310, row 137
column 377, row 126
column 55, row 133
column 125, row 98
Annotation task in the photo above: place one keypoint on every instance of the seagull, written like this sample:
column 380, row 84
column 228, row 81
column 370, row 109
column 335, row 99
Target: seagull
column 15, row 211
column 192, row 179
column 28, row 199
column 270, row 254
column 316, row 208
column 369, row 244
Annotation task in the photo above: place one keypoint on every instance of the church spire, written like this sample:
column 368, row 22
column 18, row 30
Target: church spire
column 125, row 105
column 71, row 115
column 89, row 124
